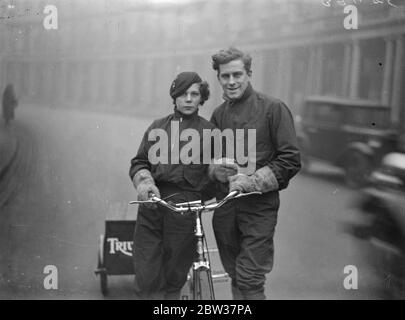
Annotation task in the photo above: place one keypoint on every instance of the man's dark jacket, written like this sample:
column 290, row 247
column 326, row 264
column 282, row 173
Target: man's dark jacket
column 276, row 141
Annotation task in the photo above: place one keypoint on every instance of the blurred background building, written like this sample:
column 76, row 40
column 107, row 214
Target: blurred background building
column 120, row 56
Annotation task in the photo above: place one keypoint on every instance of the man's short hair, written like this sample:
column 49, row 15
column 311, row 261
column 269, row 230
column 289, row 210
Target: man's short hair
column 230, row 54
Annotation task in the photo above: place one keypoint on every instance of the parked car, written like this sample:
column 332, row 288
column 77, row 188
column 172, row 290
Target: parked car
column 351, row 134
column 382, row 210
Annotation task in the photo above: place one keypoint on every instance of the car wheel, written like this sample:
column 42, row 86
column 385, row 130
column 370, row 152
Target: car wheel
column 357, row 168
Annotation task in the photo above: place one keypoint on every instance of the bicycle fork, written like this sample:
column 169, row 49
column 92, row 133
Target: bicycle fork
column 203, row 287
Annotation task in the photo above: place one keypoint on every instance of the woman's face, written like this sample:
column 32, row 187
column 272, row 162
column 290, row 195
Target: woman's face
column 190, row 100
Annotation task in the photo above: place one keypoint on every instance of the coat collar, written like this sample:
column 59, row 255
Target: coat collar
column 178, row 115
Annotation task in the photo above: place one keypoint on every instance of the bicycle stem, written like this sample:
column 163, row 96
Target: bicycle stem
column 199, row 234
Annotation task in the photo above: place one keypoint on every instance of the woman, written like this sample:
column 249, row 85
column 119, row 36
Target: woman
column 164, row 243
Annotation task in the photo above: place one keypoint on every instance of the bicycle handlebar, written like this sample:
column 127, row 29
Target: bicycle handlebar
column 195, row 205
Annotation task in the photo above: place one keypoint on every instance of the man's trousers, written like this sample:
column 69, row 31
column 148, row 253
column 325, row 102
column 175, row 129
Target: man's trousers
column 244, row 230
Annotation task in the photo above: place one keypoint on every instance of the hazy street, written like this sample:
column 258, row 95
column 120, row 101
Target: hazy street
column 76, row 175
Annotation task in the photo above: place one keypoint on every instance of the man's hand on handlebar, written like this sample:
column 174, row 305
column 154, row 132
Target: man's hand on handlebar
column 241, row 183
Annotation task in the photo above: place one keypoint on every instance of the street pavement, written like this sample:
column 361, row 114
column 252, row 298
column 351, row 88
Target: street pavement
column 74, row 175
column 8, row 152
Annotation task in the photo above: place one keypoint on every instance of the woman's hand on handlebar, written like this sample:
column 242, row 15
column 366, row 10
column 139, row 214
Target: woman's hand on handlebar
column 149, row 194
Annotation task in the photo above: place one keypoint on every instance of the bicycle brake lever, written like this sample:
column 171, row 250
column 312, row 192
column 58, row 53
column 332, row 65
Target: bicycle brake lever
column 152, row 199
column 141, row 201
column 247, row 194
column 232, row 194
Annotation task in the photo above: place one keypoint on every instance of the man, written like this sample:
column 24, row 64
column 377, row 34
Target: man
column 164, row 242
column 244, row 228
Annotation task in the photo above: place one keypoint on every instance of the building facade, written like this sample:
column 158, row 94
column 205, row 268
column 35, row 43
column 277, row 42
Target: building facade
column 121, row 56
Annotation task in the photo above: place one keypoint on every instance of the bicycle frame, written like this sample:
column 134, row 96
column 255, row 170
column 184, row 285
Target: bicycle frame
column 202, row 263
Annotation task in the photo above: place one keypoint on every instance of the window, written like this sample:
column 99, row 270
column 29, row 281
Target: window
column 299, row 70
column 380, row 119
column 369, row 118
column 372, row 69
column 332, row 70
column 327, row 114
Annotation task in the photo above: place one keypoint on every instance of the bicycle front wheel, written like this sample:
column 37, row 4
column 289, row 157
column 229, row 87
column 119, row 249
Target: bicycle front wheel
column 203, row 287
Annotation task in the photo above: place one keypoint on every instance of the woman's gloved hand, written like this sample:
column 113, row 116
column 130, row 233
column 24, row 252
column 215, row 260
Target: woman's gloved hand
column 145, row 187
column 146, row 190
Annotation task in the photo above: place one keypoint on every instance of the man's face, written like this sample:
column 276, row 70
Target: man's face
column 190, row 100
column 233, row 78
